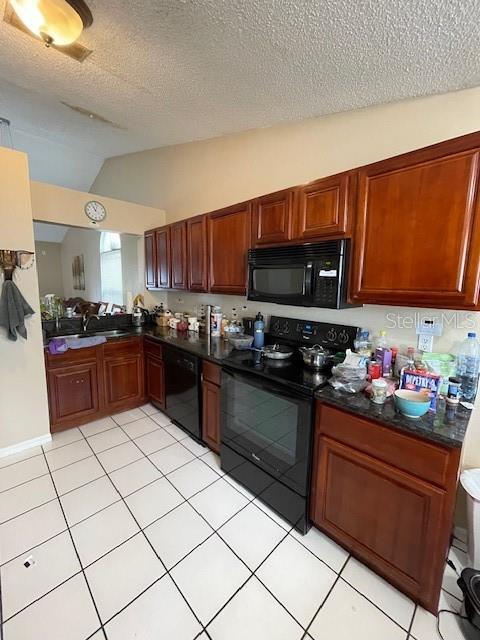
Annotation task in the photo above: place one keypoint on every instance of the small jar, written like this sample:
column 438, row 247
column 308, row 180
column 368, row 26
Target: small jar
column 379, row 390
column 454, row 390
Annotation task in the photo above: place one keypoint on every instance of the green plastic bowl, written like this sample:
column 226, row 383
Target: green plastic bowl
column 411, row 403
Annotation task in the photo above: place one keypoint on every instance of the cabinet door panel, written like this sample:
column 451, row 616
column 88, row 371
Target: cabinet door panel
column 73, row 393
column 150, row 263
column 197, row 253
column 123, row 381
column 211, row 415
column 162, row 252
column 273, row 217
column 417, row 239
column 178, row 254
column 389, row 519
column 154, row 380
column 323, row 207
column 229, row 236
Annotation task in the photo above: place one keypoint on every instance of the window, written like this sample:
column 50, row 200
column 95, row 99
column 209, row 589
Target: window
column 111, row 267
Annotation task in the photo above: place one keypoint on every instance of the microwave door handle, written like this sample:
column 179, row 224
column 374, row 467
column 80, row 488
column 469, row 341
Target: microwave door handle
column 308, row 279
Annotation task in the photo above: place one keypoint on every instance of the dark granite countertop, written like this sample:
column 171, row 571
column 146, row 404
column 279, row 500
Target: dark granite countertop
column 213, row 349
column 205, row 347
column 447, row 426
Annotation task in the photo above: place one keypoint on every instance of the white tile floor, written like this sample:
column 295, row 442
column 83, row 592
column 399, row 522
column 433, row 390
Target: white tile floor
column 132, row 530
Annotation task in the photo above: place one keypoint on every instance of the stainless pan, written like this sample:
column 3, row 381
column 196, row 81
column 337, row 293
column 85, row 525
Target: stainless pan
column 277, row 352
column 315, row 357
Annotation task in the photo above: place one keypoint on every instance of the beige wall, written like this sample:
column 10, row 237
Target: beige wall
column 66, row 206
column 23, row 392
column 49, row 268
column 202, row 176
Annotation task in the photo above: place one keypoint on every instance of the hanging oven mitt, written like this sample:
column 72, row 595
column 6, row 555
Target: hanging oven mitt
column 13, row 310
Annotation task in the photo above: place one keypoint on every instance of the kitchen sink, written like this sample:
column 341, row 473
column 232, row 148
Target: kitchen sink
column 108, row 333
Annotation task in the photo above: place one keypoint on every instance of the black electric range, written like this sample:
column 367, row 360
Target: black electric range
column 267, row 414
column 292, row 371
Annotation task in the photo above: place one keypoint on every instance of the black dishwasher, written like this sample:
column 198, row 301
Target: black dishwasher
column 182, row 389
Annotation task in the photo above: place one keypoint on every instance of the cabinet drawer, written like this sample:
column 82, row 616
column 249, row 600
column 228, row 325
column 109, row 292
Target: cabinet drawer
column 413, row 455
column 122, row 347
column 212, row 372
column 153, row 348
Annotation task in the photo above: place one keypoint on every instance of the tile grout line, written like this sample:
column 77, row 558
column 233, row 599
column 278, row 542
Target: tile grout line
column 154, row 551
column 77, row 554
column 322, row 604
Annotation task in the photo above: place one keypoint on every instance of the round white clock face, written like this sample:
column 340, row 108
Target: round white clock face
column 95, row 211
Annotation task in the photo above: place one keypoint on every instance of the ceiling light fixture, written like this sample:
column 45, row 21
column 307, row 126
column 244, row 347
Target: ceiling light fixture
column 58, row 22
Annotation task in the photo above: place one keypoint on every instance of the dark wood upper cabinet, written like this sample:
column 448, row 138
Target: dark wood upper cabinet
column 150, row 262
column 178, row 255
column 229, row 238
column 162, row 253
column 197, row 253
column 273, row 217
column 417, row 237
column 323, row 207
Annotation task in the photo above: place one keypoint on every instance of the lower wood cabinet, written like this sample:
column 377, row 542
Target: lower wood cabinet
column 90, row 383
column 155, row 380
column 394, row 521
column 73, row 393
column 123, row 381
column 211, row 405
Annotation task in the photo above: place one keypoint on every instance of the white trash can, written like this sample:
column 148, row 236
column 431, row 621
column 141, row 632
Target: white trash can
column 470, row 479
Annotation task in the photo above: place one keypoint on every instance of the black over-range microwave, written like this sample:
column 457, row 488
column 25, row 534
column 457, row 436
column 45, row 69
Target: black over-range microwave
column 310, row 275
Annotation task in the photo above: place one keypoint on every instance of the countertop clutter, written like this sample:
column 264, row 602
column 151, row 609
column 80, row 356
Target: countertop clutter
column 446, row 426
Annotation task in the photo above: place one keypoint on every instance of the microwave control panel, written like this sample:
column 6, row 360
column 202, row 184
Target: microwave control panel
column 331, row 336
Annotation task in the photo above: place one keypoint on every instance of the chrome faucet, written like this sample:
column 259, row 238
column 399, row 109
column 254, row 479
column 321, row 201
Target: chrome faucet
column 86, row 319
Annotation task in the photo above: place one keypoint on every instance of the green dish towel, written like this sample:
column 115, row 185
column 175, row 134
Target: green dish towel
column 13, row 310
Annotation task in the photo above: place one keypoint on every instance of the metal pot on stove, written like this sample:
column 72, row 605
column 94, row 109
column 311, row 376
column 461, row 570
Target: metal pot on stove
column 315, row 357
column 277, row 352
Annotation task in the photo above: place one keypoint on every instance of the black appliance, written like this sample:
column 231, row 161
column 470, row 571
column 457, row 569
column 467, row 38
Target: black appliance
column 310, row 275
column 469, row 583
column 267, row 413
column 182, row 389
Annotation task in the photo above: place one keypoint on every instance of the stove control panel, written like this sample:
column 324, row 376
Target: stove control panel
column 330, row 336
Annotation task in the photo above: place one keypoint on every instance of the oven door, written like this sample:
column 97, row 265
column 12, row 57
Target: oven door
column 269, row 425
column 281, row 283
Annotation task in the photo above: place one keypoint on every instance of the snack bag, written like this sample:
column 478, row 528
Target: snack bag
column 422, row 381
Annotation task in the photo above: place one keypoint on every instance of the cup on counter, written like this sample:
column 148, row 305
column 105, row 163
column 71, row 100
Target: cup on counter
column 379, row 390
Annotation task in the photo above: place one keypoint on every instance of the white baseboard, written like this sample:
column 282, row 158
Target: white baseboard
column 26, row 444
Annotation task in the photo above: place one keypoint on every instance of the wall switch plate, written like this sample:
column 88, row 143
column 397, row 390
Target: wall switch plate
column 425, row 342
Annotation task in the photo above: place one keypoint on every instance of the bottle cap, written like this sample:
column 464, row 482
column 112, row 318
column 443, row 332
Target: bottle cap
column 259, row 316
column 472, row 334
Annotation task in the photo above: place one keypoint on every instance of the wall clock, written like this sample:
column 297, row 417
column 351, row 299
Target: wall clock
column 95, row 211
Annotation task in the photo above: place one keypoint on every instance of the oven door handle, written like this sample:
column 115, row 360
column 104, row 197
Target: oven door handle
column 262, row 383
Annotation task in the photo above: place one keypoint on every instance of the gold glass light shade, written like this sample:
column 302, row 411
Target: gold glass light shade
column 55, row 21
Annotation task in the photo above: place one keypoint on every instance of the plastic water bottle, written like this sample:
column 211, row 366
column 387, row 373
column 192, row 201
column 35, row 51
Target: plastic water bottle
column 468, row 366
column 258, row 332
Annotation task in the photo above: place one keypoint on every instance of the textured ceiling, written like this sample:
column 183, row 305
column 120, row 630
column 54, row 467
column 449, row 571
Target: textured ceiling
column 172, row 71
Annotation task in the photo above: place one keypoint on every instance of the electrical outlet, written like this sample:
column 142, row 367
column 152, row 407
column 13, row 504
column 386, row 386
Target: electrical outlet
column 425, row 342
